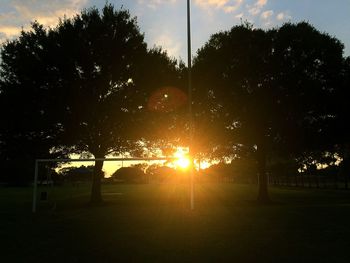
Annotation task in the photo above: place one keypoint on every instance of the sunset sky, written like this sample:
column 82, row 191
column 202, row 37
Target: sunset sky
column 164, row 21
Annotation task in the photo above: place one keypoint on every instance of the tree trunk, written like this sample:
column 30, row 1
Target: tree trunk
column 302, row 180
column 309, row 179
column 96, row 196
column 263, row 195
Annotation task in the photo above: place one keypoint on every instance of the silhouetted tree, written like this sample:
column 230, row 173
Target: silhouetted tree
column 95, row 76
column 130, row 175
column 339, row 132
column 167, row 105
column 81, row 173
column 268, row 89
column 27, row 129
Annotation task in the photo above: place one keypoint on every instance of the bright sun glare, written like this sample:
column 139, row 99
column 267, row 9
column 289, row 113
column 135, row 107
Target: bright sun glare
column 183, row 161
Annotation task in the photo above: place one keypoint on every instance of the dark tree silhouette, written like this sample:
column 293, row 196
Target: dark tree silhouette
column 165, row 111
column 338, row 129
column 268, row 90
column 91, row 76
column 73, row 174
column 130, row 175
column 27, row 129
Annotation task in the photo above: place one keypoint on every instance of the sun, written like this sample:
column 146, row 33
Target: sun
column 182, row 161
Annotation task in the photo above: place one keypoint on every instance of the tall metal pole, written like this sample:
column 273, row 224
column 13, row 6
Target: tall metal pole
column 189, row 64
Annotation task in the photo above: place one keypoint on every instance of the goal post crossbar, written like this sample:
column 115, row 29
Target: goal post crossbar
column 106, row 159
column 67, row 160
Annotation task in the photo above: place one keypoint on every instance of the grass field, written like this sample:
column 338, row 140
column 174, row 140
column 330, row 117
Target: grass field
column 153, row 223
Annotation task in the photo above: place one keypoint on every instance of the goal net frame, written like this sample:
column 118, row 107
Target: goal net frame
column 68, row 160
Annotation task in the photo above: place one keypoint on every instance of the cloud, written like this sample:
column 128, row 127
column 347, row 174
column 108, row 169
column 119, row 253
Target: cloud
column 240, row 15
column 228, row 6
column 261, row 3
column 20, row 13
column 168, row 43
column 283, row 16
column 256, row 8
column 9, row 30
column 267, row 14
column 154, row 4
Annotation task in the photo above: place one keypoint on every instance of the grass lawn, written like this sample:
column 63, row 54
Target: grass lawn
column 153, row 223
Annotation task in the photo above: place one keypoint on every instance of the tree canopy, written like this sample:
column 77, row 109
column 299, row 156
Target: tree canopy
column 85, row 83
column 268, row 90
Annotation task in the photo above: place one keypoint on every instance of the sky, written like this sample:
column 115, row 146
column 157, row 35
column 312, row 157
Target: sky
column 164, row 21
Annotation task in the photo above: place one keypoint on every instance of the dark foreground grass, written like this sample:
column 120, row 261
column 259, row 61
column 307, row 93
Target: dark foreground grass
column 153, row 223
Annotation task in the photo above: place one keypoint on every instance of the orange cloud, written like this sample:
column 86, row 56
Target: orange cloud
column 228, row 6
column 22, row 13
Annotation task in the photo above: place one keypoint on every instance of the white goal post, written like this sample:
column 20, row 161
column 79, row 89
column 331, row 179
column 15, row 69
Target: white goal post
column 38, row 161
